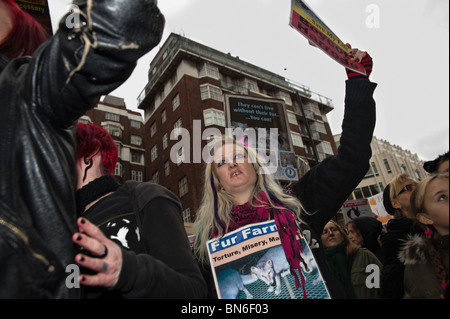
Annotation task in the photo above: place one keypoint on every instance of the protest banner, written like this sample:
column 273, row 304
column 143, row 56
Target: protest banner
column 304, row 20
column 250, row 263
column 377, row 207
column 255, row 115
column 356, row 208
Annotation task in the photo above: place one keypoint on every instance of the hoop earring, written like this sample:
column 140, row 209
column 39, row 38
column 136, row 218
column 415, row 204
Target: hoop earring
column 89, row 162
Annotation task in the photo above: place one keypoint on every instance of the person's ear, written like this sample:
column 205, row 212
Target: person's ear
column 424, row 219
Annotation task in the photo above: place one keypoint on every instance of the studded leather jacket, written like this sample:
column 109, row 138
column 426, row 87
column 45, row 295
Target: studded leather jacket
column 41, row 97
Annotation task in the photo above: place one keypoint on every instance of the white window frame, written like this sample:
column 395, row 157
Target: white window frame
column 137, row 176
column 183, row 186
column 211, row 92
column 297, row 140
column 176, row 102
column 154, row 153
column 214, row 117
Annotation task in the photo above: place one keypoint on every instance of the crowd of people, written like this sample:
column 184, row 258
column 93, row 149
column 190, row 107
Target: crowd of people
column 60, row 205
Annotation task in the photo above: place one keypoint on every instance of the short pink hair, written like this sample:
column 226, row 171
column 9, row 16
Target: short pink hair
column 92, row 139
column 26, row 35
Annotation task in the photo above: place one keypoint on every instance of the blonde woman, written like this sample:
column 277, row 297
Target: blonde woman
column 238, row 193
column 426, row 255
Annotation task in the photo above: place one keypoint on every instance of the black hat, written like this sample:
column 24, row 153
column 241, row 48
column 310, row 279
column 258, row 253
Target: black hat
column 387, row 201
column 432, row 166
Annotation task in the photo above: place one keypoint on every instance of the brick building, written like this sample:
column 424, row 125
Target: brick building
column 187, row 84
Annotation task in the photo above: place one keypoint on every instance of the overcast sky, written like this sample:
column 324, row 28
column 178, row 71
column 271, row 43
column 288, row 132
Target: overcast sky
column 410, row 48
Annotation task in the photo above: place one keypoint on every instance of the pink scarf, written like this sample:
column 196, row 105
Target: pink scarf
column 242, row 215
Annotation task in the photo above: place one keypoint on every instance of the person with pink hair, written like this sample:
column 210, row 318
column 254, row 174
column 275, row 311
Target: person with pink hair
column 140, row 248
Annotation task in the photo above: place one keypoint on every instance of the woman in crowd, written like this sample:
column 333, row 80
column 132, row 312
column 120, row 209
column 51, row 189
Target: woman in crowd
column 349, row 262
column 396, row 200
column 238, row 193
column 365, row 232
column 426, row 255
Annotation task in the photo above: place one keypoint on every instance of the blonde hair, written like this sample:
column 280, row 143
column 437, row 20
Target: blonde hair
column 418, row 207
column 214, row 213
column 418, row 195
column 396, row 186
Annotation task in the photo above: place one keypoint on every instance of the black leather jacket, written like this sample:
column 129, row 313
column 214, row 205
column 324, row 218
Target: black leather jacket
column 41, row 97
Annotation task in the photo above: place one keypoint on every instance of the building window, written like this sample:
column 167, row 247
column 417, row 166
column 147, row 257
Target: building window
column 137, row 176
column 180, row 156
column 153, row 129
column 374, row 189
column 176, row 102
column 155, row 177
column 177, row 127
column 286, row 97
column 187, row 215
column 136, row 157
column 135, row 124
column 209, row 70
column 292, row 118
column 165, row 141
column 112, row 117
column 318, row 127
column 119, row 149
column 214, row 117
column 113, row 130
column 211, row 92
column 358, row 194
column 118, row 170
column 167, row 168
column 388, row 167
column 163, row 116
column 375, row 168
column 325, row 147
column 403, row 167
column 252, row 85
column 368, row 191
column 183, row 186
column 154, row 153
column 136, row 140
column 297, row 140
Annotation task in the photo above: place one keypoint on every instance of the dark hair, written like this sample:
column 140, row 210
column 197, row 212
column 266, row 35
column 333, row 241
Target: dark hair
column 432, row 166
column 26, row 35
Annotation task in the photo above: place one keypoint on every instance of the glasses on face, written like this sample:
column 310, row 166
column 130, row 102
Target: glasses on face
column 407, row 188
